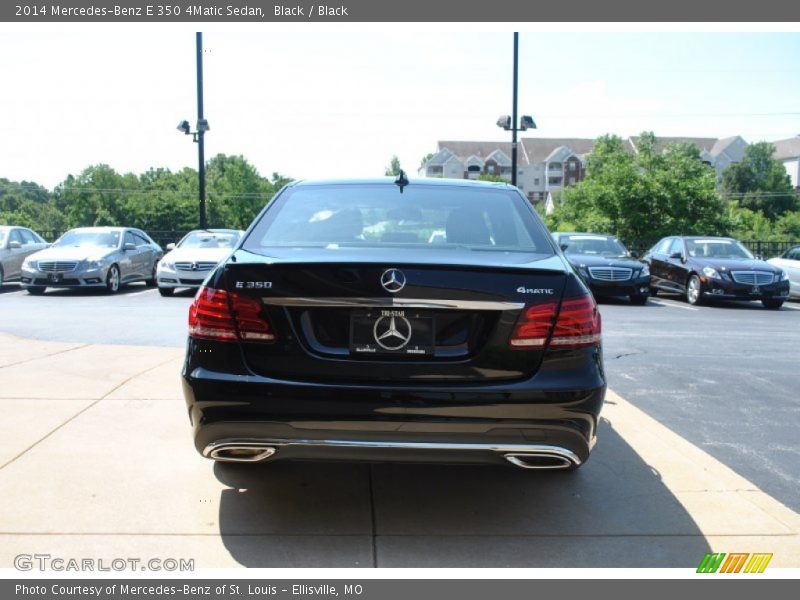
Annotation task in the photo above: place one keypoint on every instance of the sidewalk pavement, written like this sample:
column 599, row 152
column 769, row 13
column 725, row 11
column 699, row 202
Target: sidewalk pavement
column 96, row 461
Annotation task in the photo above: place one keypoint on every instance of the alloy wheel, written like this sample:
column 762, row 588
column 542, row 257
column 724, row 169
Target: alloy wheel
column 112, row 280
column 693, row 290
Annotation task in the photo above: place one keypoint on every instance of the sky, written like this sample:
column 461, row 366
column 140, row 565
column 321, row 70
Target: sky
column 325, row 103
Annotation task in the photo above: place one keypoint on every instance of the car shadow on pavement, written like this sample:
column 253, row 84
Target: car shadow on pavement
column 613, row 512
column 124, row 290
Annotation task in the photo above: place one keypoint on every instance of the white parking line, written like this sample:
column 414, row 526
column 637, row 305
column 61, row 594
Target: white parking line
column 147, row 291
column 672, row 305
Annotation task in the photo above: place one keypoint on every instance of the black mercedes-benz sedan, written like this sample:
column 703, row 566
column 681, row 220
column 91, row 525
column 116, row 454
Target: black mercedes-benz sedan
column 606, row 265
column 342, row 328
column 702, row 268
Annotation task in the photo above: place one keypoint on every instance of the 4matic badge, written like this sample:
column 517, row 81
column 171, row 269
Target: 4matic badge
column 523, row 290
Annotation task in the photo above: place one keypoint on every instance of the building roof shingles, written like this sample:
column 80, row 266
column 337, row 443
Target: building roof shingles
column 788, row 148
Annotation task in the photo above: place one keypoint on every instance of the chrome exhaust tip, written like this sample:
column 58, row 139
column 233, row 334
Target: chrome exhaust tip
column 240, row 452
column 539, row 460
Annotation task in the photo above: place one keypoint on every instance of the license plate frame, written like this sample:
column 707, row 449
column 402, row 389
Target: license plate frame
column 392, row 332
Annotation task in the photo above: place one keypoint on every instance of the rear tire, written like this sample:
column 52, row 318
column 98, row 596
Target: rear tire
column 165, row 291
column 694, row 291
column 639, row 299
column 36, row 290
column 2, row 276
column 772, row 304
column 152, row 281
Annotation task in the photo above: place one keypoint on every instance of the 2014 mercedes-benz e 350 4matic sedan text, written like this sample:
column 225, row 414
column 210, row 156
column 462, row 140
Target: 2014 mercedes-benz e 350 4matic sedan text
column 338, row 330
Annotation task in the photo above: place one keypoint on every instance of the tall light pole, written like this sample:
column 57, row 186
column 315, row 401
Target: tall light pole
column 514, row 112
column 199, row 134
column 511, row 123
column 201, row 131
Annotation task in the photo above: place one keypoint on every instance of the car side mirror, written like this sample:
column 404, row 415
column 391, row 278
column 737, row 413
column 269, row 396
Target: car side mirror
column 633, row 254
column 171, row 246
column 676, row 255
column 758, row 256
column 14, row 245
column 129, row 246
column 564, row 247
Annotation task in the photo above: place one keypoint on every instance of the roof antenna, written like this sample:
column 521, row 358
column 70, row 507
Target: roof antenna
column 401, row 180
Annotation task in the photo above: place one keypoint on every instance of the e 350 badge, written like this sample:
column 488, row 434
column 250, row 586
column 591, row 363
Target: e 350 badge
column 253, row 285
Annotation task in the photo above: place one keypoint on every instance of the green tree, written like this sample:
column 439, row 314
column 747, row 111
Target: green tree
column 393, row 170
column 760, row 183
column 645, row 196
column 156, row 200
column 97, row 196
column 492, row 177
column 235, row 192
column 425, row 159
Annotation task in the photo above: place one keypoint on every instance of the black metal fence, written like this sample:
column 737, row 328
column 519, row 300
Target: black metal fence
column 769, row 249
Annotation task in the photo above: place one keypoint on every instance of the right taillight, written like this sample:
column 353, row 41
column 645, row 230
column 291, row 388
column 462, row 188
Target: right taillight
column 534, row 326
column 577, row 324
column 225, row 316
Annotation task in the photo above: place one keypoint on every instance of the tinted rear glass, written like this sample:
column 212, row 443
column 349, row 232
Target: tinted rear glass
column 447, row 218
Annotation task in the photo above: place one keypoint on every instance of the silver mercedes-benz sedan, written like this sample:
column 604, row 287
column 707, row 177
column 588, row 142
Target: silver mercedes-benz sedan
column 16, row 244
column 189, row 262
column 100, row 257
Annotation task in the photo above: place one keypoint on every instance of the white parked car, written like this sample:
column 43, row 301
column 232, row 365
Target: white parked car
column 789, row 261
column 188, row 262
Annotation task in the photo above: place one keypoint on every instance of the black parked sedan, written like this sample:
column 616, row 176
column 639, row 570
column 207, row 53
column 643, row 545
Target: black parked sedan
column 606, row 265
column 338, row 330
column 714, row 267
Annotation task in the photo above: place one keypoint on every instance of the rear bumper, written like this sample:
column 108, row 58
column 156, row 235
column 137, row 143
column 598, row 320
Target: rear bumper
column 527, row 456
column 554, row 412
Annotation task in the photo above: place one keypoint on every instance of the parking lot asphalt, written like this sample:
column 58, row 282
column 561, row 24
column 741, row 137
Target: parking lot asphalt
column 96, row 457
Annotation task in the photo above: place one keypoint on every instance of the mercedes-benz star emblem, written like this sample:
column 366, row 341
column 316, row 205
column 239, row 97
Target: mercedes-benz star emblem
column 194, row 266
column 393, row 280
column 392, row 333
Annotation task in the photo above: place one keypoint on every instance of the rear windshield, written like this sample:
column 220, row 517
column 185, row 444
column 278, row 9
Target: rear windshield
column 446, row 218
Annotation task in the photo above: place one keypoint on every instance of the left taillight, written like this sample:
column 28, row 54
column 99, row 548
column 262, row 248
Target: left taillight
column 225, row 316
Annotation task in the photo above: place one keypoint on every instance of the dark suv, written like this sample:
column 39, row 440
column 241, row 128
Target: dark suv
column 714, row 267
